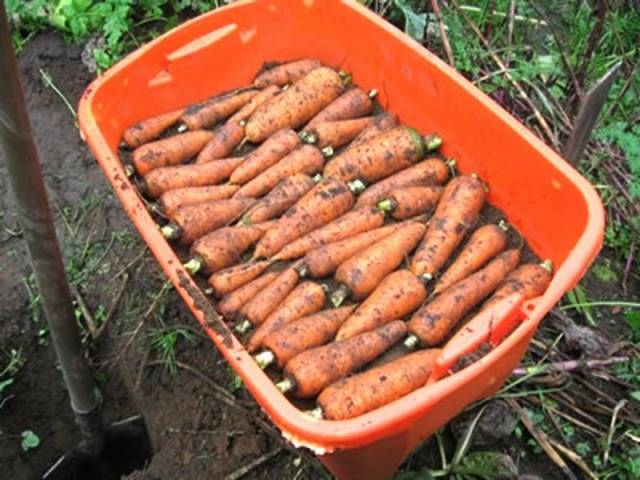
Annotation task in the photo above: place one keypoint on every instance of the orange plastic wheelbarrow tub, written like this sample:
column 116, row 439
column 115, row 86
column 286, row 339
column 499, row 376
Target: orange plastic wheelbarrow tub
column 555, row 208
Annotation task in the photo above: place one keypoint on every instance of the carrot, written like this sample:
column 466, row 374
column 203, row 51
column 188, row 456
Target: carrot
column 266, row 301
column 207, row 114
column 431, row 171
column 326, row 201
column 287, row 192
column 305, row 299
column 484, row 244
column 383, row 122
column 286, row 72
column 230, row 279
column 232, row 302
column 398, row 294
column 161, row 180
column 193, row 221
column 362, row 273
column 224, row 141
column 223, row 247
column 169, row 151
column 306, row 159
column 305, row 333
column 336, row 133
column 408, row 202
column 146, row 130
column 273, row 149
column 431, row 324
column 381, row 156
column 353, row 103
column 308, row 373
column 295, row 106
column 173, row 199
column 529, row 279
column 456, row 212
column 377, row 387
column 348, row 225
column 261, row 97
column 324, row 260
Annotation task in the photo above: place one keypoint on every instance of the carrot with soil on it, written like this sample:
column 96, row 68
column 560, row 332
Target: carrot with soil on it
column 457, row 211
column 433, row 322
column 306, row 159
column 309, row 372
column 295, row 106
column 529, row 279
column 232, row 302
column 230, row 279
column 147, row 130
column 224, row 141
column 169, row 151
column 287, row 192
column 285, row 73
column 362, row 273
column 207, row 114
column 323, row 203
column 431, row 171
column 381, row 156
column 273, row 149
column 353, row 103
column 377, row 387
column 262, row 97
column 383, row 122
column 484, row 244
column 266, row 301
column 408, row 202
column 336, row 133
column 305, row 299
column 398, row 294
column 194, row 221
column 164, row 179
column 303, row 334
column 170, row 201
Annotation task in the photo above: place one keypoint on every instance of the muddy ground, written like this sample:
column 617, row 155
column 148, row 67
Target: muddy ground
column 195, row 434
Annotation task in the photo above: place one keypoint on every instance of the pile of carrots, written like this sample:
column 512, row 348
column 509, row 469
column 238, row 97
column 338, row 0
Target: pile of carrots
column 338, row 238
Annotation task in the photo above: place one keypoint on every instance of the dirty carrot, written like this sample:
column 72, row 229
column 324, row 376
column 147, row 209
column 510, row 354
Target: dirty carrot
column 383, row 122
column 232, row 302
column 266, row 301
column 348, row 225
column 457, row 211
column 381, row 156
column 398, row 294
column 169, row 151
column 287, row 192
column 295, row 106
column 224, row 141
column 146, row 130
column 262, row 97
column 408, row 202
column 308, row 373
column 207, row 114
column 305, row 299
column 353, row 103
column 324, row 260
column 484, row 244
column 377, row 387
column 305, row 159
column 223, row 247
column 529, row 279
column 305, row 333
column 362, row 273
column 170, row 201
column 286, row 72
column 193, row 221
column 230, row 279
column 323, row 203
column 335, row 133
column 431, row 171
column 431, row 324
column 273, row 149
column 161, row 180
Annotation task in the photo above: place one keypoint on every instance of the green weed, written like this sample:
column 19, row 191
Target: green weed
column 165, row 342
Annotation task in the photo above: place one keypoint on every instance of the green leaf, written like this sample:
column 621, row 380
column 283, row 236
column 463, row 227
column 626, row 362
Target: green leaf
column 635, row 395
column 423, row 474
column 5, row 383
column 604, row 272
column 488, row 465
column 633, row 320
column 414, row 23
column 29, row 440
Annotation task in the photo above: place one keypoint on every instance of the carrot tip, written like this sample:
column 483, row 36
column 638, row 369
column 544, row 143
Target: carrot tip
column 386, row 205
column 315, row 413
column 194, row 265
column 264, row 359
column 357, row 186
column 345, row 76
column 243, row 326
column 154, row 208
column 326, row 151
column 547, row 265
column 182, row 128
column 303, row 271
column 373, row 93
column 171, row 231
column 317, row 178
column 285, row 385
column 245, row 221
column 339, row 295
column 307, row 137
column 432, row 142
column 411, row 342
column 426, row 277
column 451, row 163
column 208, row 291
column 129, row 171
column 504, row 226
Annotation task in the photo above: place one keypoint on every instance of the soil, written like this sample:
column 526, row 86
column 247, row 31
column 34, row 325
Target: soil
column 197, row 431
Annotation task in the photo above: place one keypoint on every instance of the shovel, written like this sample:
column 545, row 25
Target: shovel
column 104, row 453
